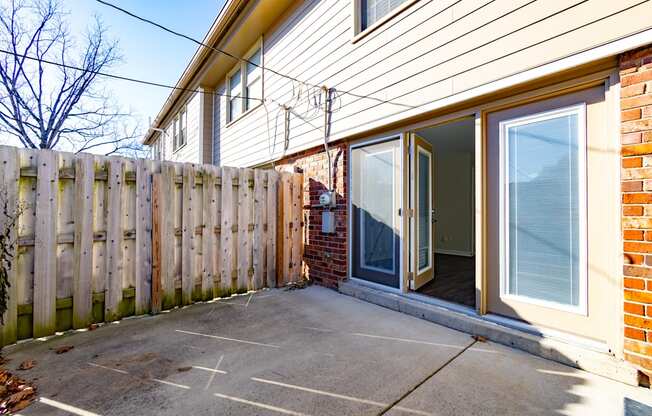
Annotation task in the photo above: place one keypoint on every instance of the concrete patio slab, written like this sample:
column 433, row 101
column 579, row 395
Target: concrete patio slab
column 301, row 352
column 491, row 379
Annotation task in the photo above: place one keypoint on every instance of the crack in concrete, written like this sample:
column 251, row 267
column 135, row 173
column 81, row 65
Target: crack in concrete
column 428, row 377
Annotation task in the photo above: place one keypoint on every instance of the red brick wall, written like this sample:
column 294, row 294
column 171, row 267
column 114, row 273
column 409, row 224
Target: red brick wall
column 325, row 255
column 636, row 139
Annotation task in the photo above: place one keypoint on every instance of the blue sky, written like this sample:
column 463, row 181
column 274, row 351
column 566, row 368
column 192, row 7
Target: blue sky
column 148, row 52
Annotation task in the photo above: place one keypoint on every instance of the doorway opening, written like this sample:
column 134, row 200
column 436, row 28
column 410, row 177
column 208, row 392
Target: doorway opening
column 442, row 194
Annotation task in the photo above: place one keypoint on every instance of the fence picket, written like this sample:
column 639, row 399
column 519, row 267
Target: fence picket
column 168, row 240
column 188, row 236
column 9, row 177
column 260, row 219
column 114, row 238
column 227, row 223
column 156, row 297
column 209, row 209
column 244, row 236
column 143, row 236
column 272, row 206
column 82, row 307
column 297, row 226
column 45, row 245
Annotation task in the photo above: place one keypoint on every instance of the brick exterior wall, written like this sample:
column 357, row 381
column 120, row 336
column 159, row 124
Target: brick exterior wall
column 636, row 139
column 325, row 255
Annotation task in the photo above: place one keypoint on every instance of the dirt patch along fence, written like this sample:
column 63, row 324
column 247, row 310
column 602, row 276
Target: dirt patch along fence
column 101, row 238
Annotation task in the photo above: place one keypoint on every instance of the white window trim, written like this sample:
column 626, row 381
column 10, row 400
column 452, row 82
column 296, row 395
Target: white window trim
column 358, row 33
column 580, row 110
column 242, row 67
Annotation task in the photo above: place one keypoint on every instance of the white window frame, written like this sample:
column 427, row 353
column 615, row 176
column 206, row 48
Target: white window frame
column 580, row 111
column 175, row 133
column 359, row 33
column 245, row 107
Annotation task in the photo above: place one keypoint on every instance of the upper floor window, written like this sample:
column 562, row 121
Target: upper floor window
column 245, row 84
column 369, row 14
column 373, row 10
column 179, row 136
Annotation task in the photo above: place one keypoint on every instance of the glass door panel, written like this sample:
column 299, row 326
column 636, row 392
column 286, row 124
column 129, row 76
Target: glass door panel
column 374, row 208
column 423, row 269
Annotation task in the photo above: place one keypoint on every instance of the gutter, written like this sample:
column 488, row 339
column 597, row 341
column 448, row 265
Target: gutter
column 223, row 22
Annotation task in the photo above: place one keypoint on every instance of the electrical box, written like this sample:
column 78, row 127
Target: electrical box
column 327, row 199
column 328, row 222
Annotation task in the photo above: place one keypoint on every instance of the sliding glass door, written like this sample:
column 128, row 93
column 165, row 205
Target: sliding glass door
column 375, row 193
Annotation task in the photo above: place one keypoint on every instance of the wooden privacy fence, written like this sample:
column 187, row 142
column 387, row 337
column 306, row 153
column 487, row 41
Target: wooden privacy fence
column 100, row 238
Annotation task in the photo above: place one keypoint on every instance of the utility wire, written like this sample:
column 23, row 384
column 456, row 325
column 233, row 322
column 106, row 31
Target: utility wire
column 200, row 43
column 123, row 78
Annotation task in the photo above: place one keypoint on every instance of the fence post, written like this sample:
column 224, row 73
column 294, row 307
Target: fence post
column 297, row 226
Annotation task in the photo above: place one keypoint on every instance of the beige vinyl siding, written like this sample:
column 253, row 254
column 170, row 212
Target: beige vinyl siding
column 430, row 51
column 190, row 152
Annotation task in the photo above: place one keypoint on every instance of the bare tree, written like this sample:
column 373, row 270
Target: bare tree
column 50, row 94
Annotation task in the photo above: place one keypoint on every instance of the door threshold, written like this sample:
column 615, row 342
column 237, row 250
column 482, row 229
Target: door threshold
column 573, row 351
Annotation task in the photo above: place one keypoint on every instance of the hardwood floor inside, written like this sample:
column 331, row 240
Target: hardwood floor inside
column 454, row 280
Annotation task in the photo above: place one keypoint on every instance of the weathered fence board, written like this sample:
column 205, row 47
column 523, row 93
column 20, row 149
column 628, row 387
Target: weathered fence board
column 9, row 177
column 243, row 252
column 188, row 236
column 82, row 307
column 272, row 206
column 102, row 238
column 143, row 235
column 45, row 245
column 156, row 243
column 227, row 230
column 208, row 251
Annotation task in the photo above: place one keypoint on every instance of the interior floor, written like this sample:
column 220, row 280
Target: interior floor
column 454, row 280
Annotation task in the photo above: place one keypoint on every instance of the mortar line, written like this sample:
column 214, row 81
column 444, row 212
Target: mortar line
column 419, row 384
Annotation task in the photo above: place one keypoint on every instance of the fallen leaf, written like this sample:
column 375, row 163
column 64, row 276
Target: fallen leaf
column 21, row 405
column 181, row 369
column 63, row 349
column 479, row 338
column 92, row 327
column 27, row 364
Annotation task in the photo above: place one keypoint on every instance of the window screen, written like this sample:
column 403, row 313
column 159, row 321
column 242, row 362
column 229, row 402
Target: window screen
column 372, row 11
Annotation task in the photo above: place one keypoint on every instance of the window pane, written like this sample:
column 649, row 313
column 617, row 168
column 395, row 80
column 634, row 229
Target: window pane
column 544, row 209
column 234, row 82
column 235, row 107
column 424, row 211
column 377, row 209
column 374, row 10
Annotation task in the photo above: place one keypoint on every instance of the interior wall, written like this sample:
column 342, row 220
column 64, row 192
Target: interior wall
column 453, row 147
column 454, row 203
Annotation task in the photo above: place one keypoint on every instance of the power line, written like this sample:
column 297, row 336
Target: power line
column 124, row 78
column 200, row 43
